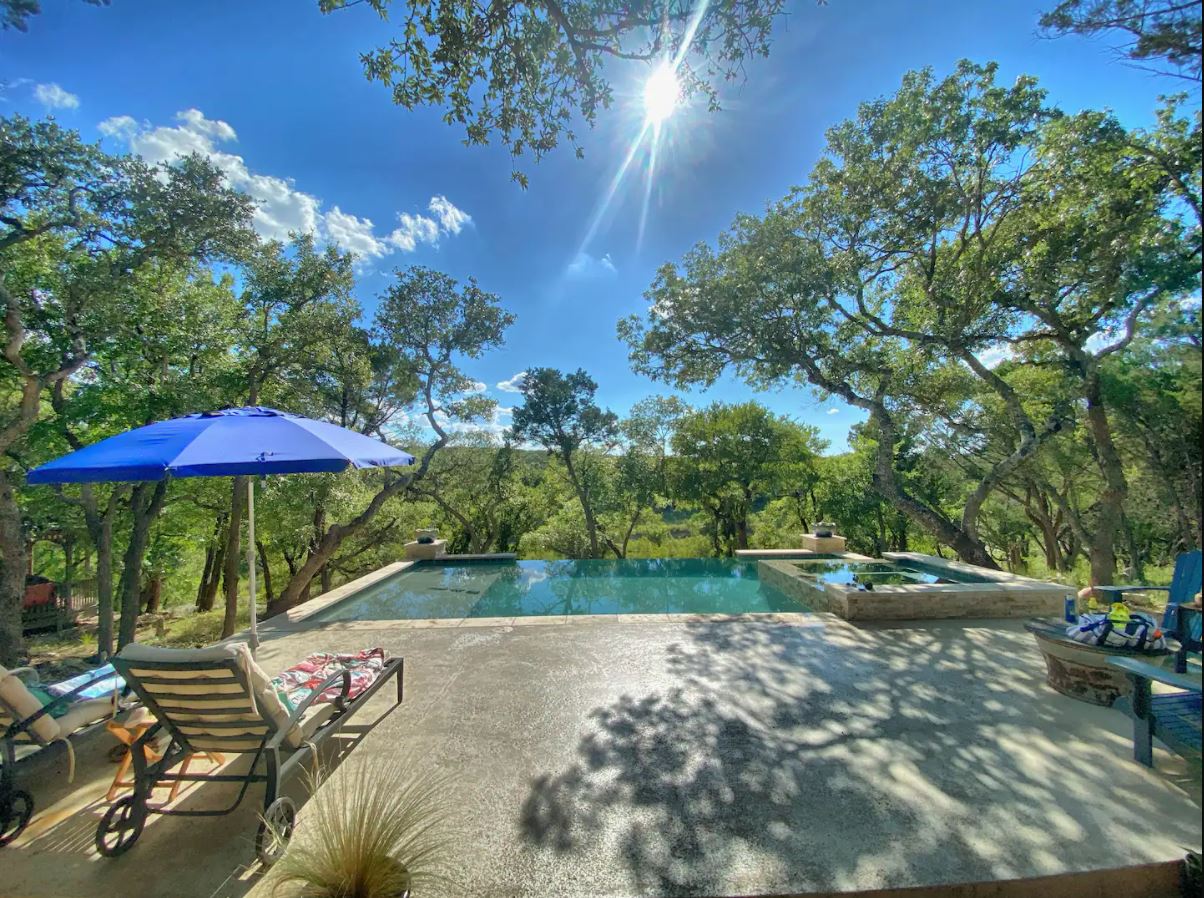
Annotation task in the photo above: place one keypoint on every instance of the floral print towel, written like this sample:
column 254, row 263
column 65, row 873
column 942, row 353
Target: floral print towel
column 295, row 684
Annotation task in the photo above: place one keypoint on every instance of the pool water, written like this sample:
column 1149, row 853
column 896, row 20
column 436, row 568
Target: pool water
column 869, row 574
column 535, row 588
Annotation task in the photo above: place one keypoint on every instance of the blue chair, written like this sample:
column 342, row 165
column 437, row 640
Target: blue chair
column 1174, row 717
column 1185, row 583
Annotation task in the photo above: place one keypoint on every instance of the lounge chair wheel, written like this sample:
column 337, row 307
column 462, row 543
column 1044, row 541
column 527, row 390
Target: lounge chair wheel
column 16, row 807
column 121, row 826
column 275, row 830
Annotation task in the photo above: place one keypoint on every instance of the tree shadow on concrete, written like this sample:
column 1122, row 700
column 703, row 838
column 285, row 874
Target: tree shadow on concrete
column 831, row 757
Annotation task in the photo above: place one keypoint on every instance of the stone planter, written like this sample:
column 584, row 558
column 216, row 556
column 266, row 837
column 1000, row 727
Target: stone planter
column 1082, row 671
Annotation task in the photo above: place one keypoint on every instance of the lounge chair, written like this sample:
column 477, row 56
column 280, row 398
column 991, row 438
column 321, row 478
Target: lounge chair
column 217, row 699
column 29, row 724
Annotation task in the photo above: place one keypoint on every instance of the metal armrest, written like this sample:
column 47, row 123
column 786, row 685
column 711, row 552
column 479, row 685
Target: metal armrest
column 1135, row 668
column 299, row 711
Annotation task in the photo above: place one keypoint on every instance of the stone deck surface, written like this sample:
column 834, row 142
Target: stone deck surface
column 676, row 757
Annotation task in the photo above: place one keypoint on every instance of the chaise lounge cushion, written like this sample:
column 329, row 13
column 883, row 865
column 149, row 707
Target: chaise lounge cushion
column 82, row 714
column 15, row 695
column 263, row 702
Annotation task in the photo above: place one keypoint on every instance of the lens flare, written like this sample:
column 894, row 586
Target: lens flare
column 661, row 93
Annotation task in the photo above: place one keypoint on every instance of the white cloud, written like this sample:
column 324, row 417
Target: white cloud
column 412, row 230
column 451, row 219
column 54, row 97
column 477, row 387
column 353, row 233
column 496, row 425
column 586, row 266
column 513, row 384
column 996, row 354
column 120, row 126
column 280, row 207
column 833, row 411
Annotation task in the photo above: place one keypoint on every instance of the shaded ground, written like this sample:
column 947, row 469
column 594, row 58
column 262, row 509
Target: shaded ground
column 673, row 758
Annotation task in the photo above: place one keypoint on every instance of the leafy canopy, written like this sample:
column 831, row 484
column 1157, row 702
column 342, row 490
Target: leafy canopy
column 1164, row 33
column 521, row 70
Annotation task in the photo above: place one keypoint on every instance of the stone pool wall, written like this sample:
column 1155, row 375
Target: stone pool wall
column 1003, row 596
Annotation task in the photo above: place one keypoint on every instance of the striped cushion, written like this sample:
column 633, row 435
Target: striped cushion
column 209, row 705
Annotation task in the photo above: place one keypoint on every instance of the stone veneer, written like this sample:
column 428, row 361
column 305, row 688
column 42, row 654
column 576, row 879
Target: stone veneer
column 1005, row 595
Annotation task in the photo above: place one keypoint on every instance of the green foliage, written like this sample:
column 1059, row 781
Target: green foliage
column 559, row 413
column 522, row 72
column 15, row 14
column 1163, row 32
column 727, row 458
column 945, row 222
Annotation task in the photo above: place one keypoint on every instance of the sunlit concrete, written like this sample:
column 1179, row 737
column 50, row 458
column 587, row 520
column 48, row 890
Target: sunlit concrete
column 679, row 757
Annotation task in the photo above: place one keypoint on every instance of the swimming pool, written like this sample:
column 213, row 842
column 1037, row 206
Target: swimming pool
column 540, row 588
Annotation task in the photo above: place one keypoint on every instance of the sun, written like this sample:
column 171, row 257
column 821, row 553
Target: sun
column 661, row 93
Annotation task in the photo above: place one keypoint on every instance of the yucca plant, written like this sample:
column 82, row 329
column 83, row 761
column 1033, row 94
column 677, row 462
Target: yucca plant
column 374, row 830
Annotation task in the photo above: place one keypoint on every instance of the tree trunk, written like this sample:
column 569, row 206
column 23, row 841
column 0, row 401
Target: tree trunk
column 12, row 574
column 968, row 548
column 103, row 538
column 238, row 498
column 152, row 593
column 206, row 591
column 146, row 501
column 1037, row 510
column 1110, row 505
column 265, row 569
column 206, row 576
column 742, row 530
column 297, row 588
column 587, row 509
column 1136, row 568
column 68, row 569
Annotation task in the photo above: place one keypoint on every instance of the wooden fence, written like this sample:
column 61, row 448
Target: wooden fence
column 79, row 596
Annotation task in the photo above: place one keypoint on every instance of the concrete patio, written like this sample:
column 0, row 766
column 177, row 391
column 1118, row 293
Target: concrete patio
column 620, row 757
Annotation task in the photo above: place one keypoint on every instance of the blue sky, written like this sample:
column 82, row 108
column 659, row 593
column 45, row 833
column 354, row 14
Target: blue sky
column 277, row 91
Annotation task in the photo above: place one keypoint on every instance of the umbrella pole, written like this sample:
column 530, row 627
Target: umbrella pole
column 251, row 558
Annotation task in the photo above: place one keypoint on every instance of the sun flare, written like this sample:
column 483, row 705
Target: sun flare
column 661, row 93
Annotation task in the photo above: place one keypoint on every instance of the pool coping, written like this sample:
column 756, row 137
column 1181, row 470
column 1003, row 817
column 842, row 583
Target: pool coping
column 783, row 618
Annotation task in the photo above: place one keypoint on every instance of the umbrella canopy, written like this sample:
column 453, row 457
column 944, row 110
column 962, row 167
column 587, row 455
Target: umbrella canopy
column 251, row 440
